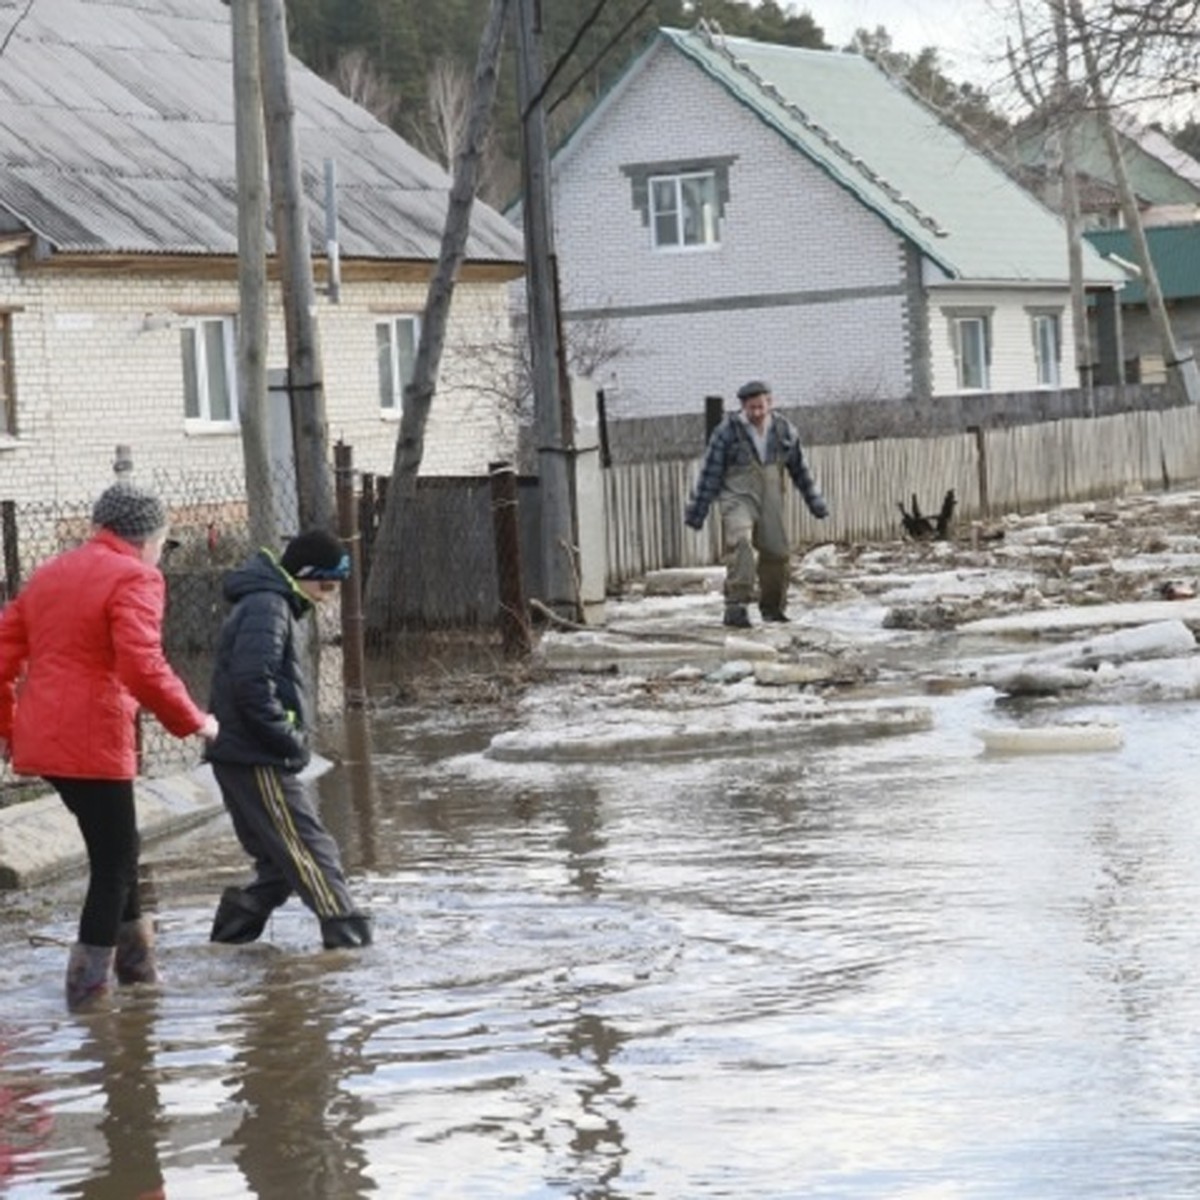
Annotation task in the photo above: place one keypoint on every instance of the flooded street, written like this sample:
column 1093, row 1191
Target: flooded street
column 896, row 968
column 683, row 937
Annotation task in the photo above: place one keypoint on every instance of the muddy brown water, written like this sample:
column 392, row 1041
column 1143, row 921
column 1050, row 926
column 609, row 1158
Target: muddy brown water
column 897, row 968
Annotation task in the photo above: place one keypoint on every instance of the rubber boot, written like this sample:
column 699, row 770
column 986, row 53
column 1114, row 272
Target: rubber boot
column 737, row 616
column 136, row 961
column 89, row 976
column 240, row 918
column 349, row 932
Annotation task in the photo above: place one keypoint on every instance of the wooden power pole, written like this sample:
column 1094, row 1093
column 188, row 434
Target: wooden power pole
column 1069, row 176
column 310, row 430
column 551, row 388
column 265, row 526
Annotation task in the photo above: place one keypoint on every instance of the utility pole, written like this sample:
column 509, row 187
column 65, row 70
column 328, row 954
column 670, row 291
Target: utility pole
column 310, row 431
column 555, row 425
column 1068, row 173
column 265, row 527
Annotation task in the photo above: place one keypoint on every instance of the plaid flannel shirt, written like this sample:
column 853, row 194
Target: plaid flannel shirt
column 731, row 446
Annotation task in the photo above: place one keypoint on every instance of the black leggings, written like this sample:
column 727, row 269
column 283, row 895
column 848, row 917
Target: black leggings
column 108, row 821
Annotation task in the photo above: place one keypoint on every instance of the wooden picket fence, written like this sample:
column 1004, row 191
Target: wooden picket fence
column 1020, row 469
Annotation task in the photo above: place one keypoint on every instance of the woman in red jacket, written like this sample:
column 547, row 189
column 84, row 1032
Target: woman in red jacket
column 80, row 651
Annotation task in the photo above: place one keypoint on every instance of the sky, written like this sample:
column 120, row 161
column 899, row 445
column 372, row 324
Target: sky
column 969, row 33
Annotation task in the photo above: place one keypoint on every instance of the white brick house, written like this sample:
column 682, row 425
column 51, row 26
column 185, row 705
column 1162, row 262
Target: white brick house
column 118, row 261
column 732, row 209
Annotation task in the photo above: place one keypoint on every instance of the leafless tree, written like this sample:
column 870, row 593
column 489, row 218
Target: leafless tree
column 1121, row 54
column 383, row 583
column 447, row 103
column 1146, row 51
column 441, row 129
column 355, row 76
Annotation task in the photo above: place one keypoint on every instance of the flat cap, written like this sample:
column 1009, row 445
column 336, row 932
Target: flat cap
column 756, row 387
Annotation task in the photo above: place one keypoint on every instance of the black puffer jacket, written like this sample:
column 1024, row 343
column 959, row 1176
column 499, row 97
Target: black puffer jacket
column 258, row 689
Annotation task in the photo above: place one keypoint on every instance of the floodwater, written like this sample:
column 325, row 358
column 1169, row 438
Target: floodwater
column 900, row 968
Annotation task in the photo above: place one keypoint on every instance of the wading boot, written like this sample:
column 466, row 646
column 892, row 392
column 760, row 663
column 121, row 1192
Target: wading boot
column 240, row 918
column 349, row 932
column 89, row 977
column 737, row 616
column 775, row 614
column 136, row 961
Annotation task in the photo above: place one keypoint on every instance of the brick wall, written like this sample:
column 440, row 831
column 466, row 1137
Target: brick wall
column 786, row 232
column 91, row 371
column 808, row 288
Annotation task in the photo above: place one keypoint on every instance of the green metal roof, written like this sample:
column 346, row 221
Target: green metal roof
column 1174, row 250
column 1158, row 171
column 877, row 140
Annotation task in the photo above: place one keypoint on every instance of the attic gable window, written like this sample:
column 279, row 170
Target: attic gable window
column 396, row 342
column 209, row 374
column 682, row 203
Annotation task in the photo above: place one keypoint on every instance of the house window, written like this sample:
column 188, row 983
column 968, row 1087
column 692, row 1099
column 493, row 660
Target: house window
column 683, row 210
column 681, row 201
column 973, row 351
column 8, row 396
column 396, row 342
column 1047, row 348
column 209, row 372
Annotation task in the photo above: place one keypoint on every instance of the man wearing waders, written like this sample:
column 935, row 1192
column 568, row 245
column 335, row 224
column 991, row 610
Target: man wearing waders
column 744, row 471
column 260, row 690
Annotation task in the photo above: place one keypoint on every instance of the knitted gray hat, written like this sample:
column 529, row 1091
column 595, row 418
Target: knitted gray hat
column 130, row 512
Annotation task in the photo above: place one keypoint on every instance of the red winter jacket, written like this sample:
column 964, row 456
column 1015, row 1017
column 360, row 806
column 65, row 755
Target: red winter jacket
column 80, row 650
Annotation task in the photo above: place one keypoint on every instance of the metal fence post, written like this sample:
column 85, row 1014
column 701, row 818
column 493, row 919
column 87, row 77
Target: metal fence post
column 12, row 552
column 514, row 619
column 353, row 657
column 714, row 414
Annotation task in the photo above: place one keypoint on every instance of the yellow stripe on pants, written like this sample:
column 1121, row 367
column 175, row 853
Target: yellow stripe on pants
column 324, row 901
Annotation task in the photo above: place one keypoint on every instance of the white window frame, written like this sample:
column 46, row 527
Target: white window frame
column 396, row 373
column 201, row 376
column 973, row 351
column 1046, row 328
column 706, row 222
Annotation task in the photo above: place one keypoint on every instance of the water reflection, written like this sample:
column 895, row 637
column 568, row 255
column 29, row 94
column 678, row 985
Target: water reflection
column 350, row 794
column 583, row 841
column 118, row 1054
column 299, row 1132
column 597, row 1146
column 896, row 969
column 26, row 1120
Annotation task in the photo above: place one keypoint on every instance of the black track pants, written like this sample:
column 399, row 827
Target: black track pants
column 277, row 824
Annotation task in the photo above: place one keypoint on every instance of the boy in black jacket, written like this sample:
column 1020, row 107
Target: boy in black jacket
column 260, row 700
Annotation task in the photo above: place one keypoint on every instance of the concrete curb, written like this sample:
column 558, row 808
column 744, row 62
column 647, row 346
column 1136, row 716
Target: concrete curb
column 39, row 839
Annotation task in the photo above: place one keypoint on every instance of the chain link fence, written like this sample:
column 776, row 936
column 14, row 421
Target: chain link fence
column 451, row 633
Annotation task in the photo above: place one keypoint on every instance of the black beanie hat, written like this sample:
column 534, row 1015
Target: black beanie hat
column 315, row 554
column 130, row 512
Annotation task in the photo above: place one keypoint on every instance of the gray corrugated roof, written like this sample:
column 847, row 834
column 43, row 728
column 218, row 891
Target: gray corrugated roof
column 117, row 135
column 897, row 157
